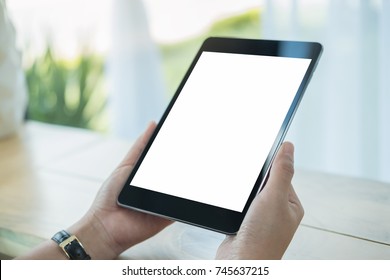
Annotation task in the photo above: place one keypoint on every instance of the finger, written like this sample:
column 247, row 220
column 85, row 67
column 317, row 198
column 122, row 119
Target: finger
column 123, row 170
column 282, row 170
column 136, row 150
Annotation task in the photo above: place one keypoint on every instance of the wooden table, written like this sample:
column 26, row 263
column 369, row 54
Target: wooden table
column 44, row 165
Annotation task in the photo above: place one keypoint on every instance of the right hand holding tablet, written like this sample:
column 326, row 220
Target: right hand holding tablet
column 273, row 216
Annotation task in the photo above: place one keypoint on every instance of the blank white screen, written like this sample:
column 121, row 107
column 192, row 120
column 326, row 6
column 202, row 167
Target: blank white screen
column 221, row 128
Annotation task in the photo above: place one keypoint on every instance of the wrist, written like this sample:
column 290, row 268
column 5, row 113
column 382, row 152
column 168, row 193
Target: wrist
column 94, row 238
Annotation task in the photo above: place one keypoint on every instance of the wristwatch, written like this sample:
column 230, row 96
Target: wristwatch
column 71, row 246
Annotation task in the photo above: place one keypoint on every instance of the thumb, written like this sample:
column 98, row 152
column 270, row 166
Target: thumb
column 282, row 170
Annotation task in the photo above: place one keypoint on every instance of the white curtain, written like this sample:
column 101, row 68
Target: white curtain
column 133, row 71
column 343, row 124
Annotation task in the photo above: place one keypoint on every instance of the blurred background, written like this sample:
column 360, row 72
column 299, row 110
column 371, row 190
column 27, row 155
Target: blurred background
column 112, row 66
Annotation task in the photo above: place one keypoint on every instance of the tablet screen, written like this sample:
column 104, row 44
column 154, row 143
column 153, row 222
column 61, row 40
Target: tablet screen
column 221, row 128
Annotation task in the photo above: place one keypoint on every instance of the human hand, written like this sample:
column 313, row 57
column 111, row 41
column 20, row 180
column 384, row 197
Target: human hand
column 272, row 218
column 110, row 229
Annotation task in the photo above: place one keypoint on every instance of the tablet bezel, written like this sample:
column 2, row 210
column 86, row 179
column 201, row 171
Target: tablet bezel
column 201, row 214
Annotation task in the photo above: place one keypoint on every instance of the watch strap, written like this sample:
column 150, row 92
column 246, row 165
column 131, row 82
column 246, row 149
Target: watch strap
column 71, row 246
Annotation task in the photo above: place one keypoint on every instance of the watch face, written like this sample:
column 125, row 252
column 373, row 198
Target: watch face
column 60, row 236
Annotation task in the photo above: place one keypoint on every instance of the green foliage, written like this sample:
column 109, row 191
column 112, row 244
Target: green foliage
column 72, row 92
column 66, row 93
column 177, row 57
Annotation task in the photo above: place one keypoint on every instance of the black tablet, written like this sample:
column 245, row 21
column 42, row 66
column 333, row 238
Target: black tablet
column 212, row 149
